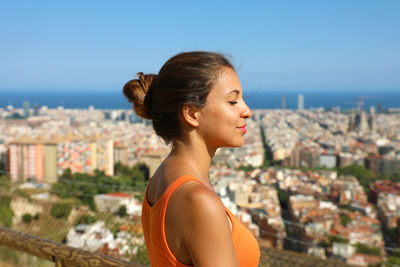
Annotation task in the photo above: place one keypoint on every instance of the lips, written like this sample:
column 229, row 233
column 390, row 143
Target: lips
column 243, row 129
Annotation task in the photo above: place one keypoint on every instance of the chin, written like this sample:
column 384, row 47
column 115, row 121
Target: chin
column 238, row 143
column 231, row 142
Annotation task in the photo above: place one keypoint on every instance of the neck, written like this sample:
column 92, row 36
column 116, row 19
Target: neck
column 194, row 155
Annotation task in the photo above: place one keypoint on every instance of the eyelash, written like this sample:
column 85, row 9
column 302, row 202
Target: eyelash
column 232, row 102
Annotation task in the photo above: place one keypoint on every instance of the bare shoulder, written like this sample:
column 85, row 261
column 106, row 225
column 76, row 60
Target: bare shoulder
column 197, row 218
column 197, row 199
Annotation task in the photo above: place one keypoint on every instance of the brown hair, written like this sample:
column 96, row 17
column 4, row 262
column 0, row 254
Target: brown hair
column 186, row 78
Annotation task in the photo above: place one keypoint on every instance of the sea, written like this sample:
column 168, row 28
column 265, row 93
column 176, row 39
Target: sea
column 345, row 100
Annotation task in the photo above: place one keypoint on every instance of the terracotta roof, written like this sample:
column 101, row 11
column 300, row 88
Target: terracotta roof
column 120, row 194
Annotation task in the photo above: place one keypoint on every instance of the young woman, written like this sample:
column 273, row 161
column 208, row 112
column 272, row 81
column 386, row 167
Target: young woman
column 195, row 103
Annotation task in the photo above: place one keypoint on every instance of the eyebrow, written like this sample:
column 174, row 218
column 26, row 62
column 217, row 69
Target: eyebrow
column 234, row 91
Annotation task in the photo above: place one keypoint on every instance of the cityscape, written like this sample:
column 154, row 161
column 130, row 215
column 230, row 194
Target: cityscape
column 324, row 183
column 317, row 181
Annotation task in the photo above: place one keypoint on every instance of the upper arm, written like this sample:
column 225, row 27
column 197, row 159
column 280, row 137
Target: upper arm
column 204, row 229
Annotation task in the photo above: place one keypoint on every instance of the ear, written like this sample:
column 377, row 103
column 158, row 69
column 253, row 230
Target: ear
column 190, row 114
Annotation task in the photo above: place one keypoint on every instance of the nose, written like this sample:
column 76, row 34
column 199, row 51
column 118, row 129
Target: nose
column 246, row 112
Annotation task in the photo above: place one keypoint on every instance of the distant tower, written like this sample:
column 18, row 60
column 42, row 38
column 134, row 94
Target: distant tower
column 361, row 122
column 283, row 102
column 107, row 115
column 26, row 107
column 300, row 102
column 35, row 109
column 351, row 120
column 371, row 119
column 123, row 116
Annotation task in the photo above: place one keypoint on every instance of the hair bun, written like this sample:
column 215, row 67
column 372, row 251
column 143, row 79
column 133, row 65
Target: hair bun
column 136, row 90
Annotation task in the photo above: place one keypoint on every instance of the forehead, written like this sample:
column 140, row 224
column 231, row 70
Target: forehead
column 227, row 83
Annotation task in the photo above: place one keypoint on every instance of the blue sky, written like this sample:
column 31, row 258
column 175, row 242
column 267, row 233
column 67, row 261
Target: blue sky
column 275, row 45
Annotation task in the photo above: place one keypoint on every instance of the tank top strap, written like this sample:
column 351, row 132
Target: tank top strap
column 178, row 182
column 164, row 198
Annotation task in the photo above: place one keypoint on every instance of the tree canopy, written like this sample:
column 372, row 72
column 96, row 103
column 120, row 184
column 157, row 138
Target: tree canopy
column 85, row 186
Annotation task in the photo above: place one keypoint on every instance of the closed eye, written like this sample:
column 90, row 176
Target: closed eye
column 232, row 102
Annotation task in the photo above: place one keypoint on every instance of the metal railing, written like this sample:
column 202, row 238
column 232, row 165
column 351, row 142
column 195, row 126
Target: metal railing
column 61, row 255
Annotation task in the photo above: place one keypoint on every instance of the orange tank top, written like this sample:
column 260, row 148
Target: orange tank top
column 153, row 221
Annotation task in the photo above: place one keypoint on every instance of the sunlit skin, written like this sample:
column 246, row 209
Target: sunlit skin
column 198, row 230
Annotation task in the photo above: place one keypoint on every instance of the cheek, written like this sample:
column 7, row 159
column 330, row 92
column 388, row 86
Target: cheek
column 229, row 116
column 220, row 117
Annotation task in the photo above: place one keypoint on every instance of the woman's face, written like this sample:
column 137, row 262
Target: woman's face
column 222, row 119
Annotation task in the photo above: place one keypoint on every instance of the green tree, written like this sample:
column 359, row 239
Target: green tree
column 6, row 213
column 122, row 211
column 268, row 157
column 344, row 219
column 97, row 173
column 137, row 175
column 36, row 217
column 246, row 168
column 391, row 235
column 365, row 249
column 392, row 261
column 337, row 239
column 2, row 168
column 61, row 189
column 27, row 218
column 364, row 176
column 395, row 177
column 4, row 181
column 84, row 186
column 87, row 219
column 283, row 197
column 120, row 168
column 396, row 253
column 67, row 174
column 86, row 195
column 145, row 170
column 61, row 210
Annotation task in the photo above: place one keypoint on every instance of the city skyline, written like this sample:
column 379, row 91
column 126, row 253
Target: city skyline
column 287, row 45
column 302, row 178
column 256, row 100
